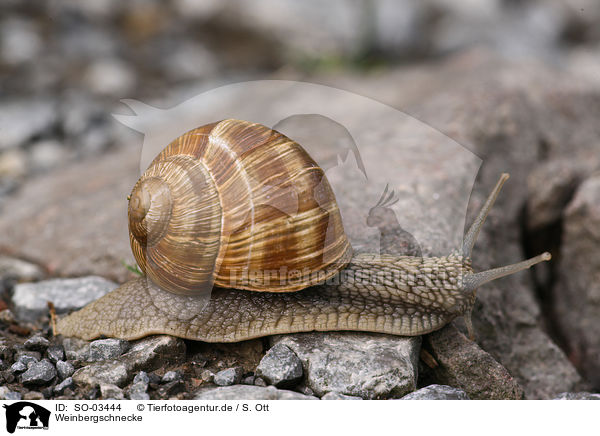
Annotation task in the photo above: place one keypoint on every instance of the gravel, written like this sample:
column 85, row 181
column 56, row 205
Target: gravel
column 280, row 367
column 229, row 376
column 64, row 369
column 107, row 349
column 437, row 392
column 39, row 373
column 243, row 392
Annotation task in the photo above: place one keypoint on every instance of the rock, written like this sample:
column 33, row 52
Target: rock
column 207, row 376
column 7, row 317
column 47, row 154
column 153, row 352
column 229, row 376
column 172, row 388
column 280, row 367
column 338, row 396
column 107, row 349
column 141, row 377
column 437, row 392
column 10, row 395
column 25, row 119
column 109, row 372
column 37, row 343
column 20, row 41
column 33, row 395
column 67, row 383
column 357, row 364
column 76, row 221
column 243, row 392
column 110, row 76
column 39, row 373
column 171, row 376
column 463, row 364
column 19, row 270
column 248, row 380
column 137, row 391
column 578, row 396
column 18, row 367
column 28, row 357
column 30, row 299
column 76, row 349
column 259, row 382
column 576, row 296
column 65, row 369
column 550, row 187
column 55, row 353
column 109, row 391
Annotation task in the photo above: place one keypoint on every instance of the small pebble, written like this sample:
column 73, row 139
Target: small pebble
column 280, row 367
column 259, row 382
column 18, row 367
column 207, row 376
column 55, row 353
column 65, row 369
column 248, row 380
column 10, row 395
column 137, row 391
column 39, row 373
column 28, row 357
column 171, row 388
column 141, row 377
column 37, row 343
column 107, row 349
column 154, row 378
column 66, row 383
column 229, row 376
column 33, row 395
column 171, row 376
column 110, row 391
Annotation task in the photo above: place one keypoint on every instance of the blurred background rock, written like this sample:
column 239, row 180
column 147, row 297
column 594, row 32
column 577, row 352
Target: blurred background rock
column 527, row 74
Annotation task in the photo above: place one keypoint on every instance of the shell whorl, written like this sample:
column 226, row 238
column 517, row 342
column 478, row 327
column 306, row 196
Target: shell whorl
column 236, row 204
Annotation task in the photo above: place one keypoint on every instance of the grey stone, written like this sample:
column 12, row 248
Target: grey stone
column 24, row 119
column 39, row 373
column 110, row 391
column 111, row 372
column 137, row 391
column 107, row 349
column 55, row 353
column 65, row 369
column 33, row 395
column 153, row 352
column 47, row 154
column 578, row 396
column 357, row 364
column 338, row 396
column 28, row 357
column 18, row 367
column 207, row 376
column 248, row 380
column 171, row 388
column 280, row 367
column 258, row 381
column 244, row 392
column 63, row 385
column 171, row 376
column 7, row 317
column 437, row 392
column 576, row 296
column 462, row 363
column 76, row 349
column 141, row 377
column 229, row 376
column 19, row 270
column 30, row 299
column 37, row 343
column 12, row 396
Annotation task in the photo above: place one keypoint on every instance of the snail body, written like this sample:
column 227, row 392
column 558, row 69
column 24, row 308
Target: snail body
column 237, row 204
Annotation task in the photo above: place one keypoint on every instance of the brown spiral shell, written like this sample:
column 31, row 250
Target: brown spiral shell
column 236, row 204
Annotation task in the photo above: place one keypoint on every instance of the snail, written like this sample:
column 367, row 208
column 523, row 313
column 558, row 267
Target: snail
column 205, row 211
